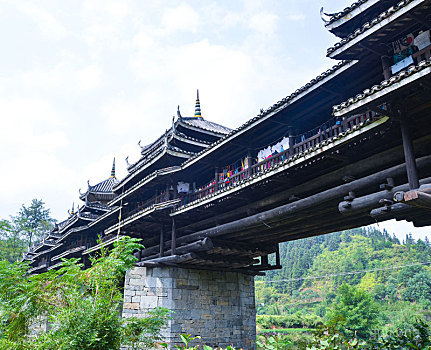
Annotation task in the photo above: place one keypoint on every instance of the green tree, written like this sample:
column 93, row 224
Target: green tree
column 353, row 312
column 11, row 245
column 33, row 222
column 81, row 305
column 418, row 287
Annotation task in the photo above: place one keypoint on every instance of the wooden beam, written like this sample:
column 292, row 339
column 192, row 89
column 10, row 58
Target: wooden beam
column 371, row 201
column 173, row 238
column 293, row 208
column 331, row 179
column 202, row 245
column 177, row 259
column 162, row 242
column 409, row 154
column 418, row 199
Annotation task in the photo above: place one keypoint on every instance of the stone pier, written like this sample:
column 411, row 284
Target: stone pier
column 218, row 306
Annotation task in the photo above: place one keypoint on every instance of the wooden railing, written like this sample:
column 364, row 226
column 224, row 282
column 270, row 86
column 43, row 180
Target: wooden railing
column 303, row 142
column 331, row 128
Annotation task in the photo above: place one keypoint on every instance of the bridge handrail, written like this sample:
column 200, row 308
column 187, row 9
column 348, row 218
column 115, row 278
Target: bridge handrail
column 332, row 128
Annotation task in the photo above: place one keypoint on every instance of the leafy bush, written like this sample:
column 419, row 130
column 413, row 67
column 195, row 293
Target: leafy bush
column 296, row 320
column 82, row 306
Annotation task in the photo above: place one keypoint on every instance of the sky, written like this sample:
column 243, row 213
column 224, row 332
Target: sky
column 82, row 82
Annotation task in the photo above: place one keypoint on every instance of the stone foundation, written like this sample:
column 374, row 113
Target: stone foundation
column 218, row 306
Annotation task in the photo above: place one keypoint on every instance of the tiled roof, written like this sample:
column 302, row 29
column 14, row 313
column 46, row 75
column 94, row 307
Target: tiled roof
column 206, row 125
column 95, row 205
column 371, row 24
column 409, row 71
column 104, row 186
column 146, row 179
column 338, row 15
column 273, row 108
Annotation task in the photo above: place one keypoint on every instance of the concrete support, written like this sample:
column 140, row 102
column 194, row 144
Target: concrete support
column 218, row 306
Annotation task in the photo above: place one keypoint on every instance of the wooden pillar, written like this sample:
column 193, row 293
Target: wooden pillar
column 277, row 256
column 291, row 141
column 386, row 67
column 249, row 162
column 409, row 154
column 175, row 190
column 173, row 238
column 216, row 171
column 162, row 241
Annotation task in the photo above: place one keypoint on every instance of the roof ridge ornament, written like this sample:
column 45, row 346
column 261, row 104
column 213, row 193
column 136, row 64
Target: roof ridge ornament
column 72, row 212
column 127, row 160
column 113, row 169
column 180, row 117
column 197, row 106
column 326, row 17
column 166, row 138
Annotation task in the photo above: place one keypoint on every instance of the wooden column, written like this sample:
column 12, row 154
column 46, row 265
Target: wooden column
column 277, row 256
column 386, row 67
column 175, row 190
column 409, row 154
column 173, row 238
column 216, row 179
column 291, row 141
column 162, row 241
column 249, row 162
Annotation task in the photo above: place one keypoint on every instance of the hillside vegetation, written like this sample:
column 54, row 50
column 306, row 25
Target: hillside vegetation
column 362, row 283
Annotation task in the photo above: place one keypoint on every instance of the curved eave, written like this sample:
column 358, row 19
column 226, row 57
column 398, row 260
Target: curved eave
column 351, row 12
column 74, row 221
column 340, row 49
column 145, row 181
column 190, row 140
column 201, row 130
column 100, row 245
column 38, row 268
column 283, row 166
column 164, row 151
column 91, row 224
column 144, row 212
column 377, row 93
column 56, row 246
column 71, row 251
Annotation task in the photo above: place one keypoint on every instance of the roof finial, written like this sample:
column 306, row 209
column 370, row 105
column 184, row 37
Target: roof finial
column 198, row 106
column 72, row 212
column 180, row 117
column 113, row 168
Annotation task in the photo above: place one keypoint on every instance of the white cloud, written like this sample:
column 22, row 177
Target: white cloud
column 89, row 77
column 295, row 16
column 265, row 23
column 180, row 18
column 47, row 23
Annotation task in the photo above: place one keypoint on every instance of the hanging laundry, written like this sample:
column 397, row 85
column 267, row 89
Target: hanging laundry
column 422, row 40
column 402, row 64
column 183, row 187
column 403, row 43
